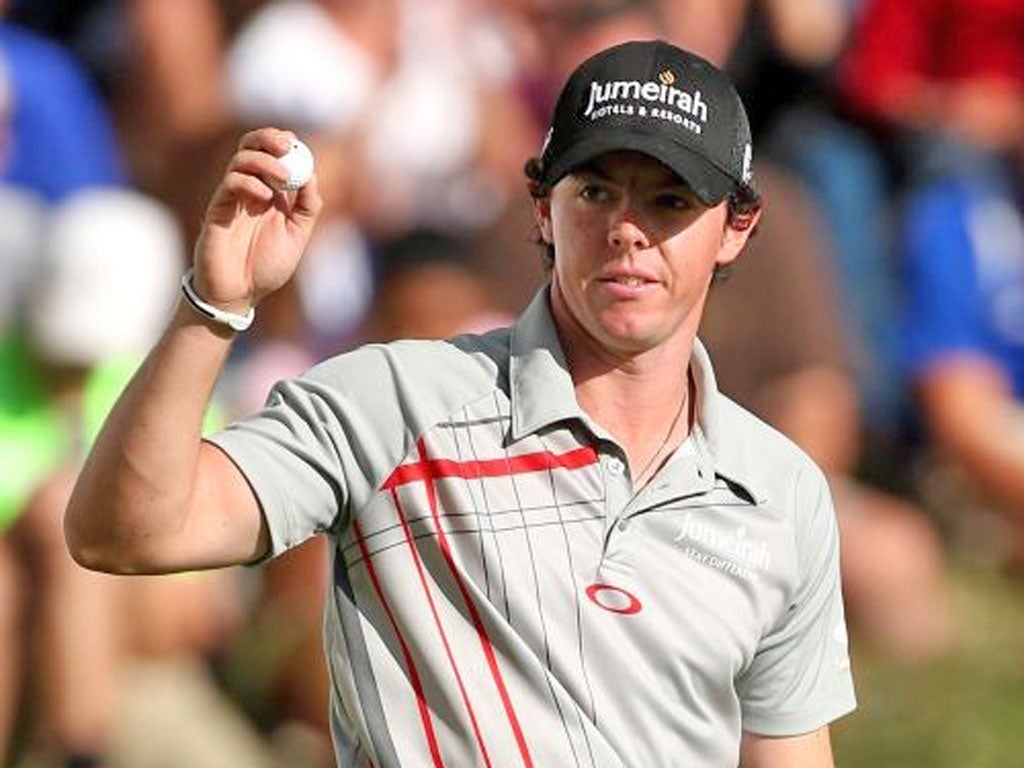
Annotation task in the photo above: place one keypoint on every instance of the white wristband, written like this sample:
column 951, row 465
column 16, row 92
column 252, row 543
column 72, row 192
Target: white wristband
column 234, row 321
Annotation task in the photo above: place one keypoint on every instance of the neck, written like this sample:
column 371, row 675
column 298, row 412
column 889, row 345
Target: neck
column 634, row 397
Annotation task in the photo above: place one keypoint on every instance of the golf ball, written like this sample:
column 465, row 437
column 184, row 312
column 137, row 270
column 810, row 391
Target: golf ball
column 299, row 162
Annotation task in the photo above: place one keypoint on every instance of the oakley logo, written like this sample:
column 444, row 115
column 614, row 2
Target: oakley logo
column 613, row 599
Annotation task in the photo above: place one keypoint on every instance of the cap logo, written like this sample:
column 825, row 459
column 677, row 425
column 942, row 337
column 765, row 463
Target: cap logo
column 748, row 163
column 649, row 100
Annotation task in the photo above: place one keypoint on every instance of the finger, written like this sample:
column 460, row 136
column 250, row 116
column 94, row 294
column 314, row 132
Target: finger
column 308, row 201
column 265, row 166
column 237, row 188
column 271, row 140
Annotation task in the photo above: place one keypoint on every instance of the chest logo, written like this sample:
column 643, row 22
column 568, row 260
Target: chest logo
column 614, row 599
column 732, row 551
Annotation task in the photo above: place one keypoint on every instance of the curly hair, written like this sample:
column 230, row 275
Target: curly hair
column 744, row 205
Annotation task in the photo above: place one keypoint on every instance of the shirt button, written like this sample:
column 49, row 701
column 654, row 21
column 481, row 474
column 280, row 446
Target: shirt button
column 615, row 465
column 623, row 524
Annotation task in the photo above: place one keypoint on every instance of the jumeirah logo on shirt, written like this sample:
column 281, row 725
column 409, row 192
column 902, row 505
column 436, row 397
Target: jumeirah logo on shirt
column 733, row 552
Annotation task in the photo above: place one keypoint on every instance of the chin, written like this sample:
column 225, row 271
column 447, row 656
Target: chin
column 630, row 340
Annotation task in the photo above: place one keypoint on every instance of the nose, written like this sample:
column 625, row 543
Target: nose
column 626, row 234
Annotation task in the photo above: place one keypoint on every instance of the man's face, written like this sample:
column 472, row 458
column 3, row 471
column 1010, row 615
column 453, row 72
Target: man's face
column 635, row 251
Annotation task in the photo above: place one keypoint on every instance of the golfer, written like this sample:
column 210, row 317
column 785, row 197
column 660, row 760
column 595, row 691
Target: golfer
column 555, row 545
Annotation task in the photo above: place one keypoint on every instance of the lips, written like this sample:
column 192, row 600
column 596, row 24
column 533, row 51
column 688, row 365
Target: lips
column 631, row 281
column 628, row 278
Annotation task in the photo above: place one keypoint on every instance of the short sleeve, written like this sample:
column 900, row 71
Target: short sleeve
column 800, row 678
column 319, row 446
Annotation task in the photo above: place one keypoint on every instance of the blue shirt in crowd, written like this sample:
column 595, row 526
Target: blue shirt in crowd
column 963, row 251
column 61, row 136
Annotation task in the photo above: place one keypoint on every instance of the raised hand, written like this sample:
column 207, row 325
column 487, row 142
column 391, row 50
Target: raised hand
column 254, row 233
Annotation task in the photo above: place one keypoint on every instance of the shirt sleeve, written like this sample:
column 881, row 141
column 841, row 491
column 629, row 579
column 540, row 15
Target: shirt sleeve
column 800, row 679
column 319, row 446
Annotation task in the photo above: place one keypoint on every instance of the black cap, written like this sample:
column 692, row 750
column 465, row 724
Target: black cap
column 655, row 98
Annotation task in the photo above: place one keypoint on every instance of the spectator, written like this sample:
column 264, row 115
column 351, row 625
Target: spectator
column 61, row 368
column 945, row 81
column 98, row 291
column 798, row 377
column 943, row 74
column 59, row 138
column 962, row 245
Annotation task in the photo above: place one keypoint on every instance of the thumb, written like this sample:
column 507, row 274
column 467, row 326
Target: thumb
column 308, row 202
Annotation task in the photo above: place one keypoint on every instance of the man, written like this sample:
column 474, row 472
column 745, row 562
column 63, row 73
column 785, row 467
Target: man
column 551, row 545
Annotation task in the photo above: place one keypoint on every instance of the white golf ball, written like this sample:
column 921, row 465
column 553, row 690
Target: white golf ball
column 299, row 162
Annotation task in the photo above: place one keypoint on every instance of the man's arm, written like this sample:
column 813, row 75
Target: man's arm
column 810, row 750
column 152, row 497
column 971, row 413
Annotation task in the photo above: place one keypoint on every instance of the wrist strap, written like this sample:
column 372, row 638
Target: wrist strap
column 234, row 321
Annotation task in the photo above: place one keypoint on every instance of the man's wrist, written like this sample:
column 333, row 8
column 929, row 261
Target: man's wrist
column 233, row 320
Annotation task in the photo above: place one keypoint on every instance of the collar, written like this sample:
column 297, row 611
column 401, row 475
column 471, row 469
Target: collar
column 721, row 430
column 540, row 387
column 541, row 393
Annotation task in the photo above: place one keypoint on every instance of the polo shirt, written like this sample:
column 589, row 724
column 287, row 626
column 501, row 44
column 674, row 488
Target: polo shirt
column 500, row 596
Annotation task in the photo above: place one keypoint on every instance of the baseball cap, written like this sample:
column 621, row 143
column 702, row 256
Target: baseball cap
column 653, row 97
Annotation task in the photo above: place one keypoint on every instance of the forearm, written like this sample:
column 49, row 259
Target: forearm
column 136, row 486
column 990, row 446
column 974, row 418
column 152, row 497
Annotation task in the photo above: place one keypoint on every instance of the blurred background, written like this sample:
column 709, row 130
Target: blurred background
column 877, row 318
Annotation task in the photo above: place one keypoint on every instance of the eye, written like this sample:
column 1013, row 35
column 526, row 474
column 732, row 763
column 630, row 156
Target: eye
column 673, row 201
column 595, row 193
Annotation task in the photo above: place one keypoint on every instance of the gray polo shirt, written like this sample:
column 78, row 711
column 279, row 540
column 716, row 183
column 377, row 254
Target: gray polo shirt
column 501, row 598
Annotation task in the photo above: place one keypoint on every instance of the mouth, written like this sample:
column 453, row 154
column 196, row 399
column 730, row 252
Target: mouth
column 627, row 285
column 631, row 281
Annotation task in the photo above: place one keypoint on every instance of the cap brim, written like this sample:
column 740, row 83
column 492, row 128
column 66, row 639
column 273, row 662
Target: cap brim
column 708, row 183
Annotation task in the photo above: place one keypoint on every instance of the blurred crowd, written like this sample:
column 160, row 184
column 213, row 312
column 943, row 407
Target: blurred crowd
column 877, row 317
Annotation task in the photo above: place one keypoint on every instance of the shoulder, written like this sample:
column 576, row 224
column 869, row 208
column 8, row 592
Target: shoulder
column 426, row 379
column 779, row 469
column 793, row 489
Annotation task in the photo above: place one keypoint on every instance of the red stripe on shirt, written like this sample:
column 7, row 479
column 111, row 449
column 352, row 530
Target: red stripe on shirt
column 414, row 677
column 485, row 641
column 440, row 628
column 433, row 469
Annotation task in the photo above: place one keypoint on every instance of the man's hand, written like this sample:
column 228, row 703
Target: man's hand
column 254, row 233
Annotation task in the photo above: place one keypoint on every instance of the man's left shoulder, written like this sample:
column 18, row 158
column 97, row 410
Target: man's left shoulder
column 773, row 460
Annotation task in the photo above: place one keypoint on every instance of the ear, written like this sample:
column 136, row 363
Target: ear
column 542, row 216
column 736, row 235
